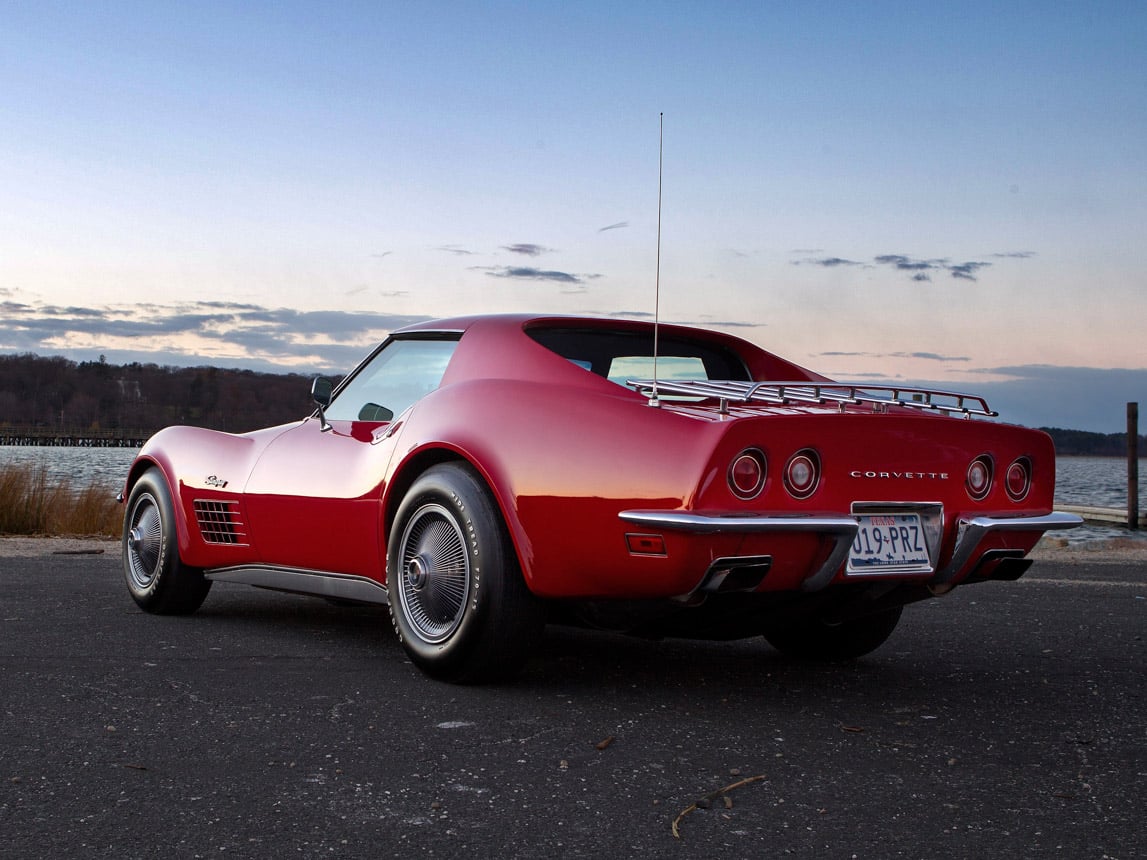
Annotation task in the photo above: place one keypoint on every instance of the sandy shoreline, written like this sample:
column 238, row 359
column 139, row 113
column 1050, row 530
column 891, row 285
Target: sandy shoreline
column 1051, row 548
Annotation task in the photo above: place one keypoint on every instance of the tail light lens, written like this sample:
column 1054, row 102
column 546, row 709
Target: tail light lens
column 1019, row 479
column 802, row 473
column 979, row 479
column 747, row 474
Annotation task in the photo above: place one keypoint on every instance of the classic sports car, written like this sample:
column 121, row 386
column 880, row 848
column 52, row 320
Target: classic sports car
column 486, row 475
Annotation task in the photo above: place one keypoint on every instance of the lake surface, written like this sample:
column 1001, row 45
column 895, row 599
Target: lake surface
column 1098, row 481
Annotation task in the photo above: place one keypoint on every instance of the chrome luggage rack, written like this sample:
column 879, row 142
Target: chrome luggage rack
column 821, row 393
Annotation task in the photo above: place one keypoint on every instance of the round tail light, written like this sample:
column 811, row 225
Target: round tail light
column 747, row 474
column 802, row 473
column 979, row 479
column 1019, row 479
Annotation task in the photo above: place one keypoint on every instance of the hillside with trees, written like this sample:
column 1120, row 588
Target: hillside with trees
column 75, row 398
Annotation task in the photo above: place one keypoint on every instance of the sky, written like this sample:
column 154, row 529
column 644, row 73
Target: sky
column 951, row 194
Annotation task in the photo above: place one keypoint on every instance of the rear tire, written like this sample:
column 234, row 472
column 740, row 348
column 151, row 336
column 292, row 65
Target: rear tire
column 458, row 601
column 817, row 640
column 156, row 577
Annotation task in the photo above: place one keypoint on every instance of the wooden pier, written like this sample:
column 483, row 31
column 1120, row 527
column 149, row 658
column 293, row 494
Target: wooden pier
column 42, row 436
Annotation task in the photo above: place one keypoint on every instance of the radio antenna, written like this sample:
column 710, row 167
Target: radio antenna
column 653, row 399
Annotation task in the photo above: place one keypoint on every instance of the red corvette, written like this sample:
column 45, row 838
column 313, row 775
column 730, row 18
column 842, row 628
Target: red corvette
column 487, row 474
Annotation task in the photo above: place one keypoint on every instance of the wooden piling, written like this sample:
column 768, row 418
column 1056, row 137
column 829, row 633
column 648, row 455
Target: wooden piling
column 1133, row 465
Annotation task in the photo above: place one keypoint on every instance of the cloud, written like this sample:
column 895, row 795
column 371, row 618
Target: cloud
column 930, row 356
column 966, row 271
column 381, row 254
column 827, row 262
column 925, row 356
column 529, row 273
column 921, row 269
column 194, row 333
column 616, row 226
column 455, row 250
column 907, row 264
column 527, row 249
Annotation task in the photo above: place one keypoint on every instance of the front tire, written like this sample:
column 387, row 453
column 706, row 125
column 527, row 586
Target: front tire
column 156, row 577
column 458, row 601
column 817, row 640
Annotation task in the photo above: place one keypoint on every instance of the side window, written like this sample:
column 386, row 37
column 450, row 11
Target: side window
column 403, row 372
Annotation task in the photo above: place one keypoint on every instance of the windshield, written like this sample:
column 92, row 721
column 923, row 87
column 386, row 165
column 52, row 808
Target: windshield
column 403, row 372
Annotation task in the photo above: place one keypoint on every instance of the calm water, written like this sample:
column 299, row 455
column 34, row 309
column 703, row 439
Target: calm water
column 1079, row 480
column 106, row 466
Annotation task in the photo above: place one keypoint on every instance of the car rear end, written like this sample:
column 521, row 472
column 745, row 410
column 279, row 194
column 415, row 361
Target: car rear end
column 805, row 496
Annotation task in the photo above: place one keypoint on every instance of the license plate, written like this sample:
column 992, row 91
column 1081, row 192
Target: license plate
column 887, row 543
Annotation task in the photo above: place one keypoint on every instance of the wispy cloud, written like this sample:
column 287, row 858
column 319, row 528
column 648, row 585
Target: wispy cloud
column 918, row 269
column 530, row 273
column 616, row 226
column 827, row 262
column 921, row 270
column 527, row 249
column 456, row 250
column 926, row 356
column 966, row 271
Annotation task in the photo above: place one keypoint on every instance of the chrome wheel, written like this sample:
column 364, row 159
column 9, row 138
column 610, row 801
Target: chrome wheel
column 156, row 576
column 434, row 573
column 458, row 600
column 144, row 541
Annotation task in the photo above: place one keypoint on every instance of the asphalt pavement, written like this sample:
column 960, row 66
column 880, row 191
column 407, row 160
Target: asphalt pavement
column 1005, row 720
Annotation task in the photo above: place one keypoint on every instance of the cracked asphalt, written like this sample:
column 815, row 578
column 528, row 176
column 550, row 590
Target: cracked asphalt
column 1005, row 720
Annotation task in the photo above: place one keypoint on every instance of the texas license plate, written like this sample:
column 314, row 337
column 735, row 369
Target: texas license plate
column 888, row 543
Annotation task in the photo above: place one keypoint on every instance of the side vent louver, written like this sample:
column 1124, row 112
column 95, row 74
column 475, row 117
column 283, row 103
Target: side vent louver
column 220, row 522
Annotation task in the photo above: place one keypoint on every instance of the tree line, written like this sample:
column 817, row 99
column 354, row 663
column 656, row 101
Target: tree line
column 54, row 393
column 1082, row 443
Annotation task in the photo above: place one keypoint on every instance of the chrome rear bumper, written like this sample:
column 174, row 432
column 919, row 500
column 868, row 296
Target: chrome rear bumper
column 841, row 530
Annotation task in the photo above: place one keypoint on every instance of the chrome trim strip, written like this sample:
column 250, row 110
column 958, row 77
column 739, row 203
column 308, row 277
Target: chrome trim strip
column 842, row 531
column 971, row 533
column 343, row 586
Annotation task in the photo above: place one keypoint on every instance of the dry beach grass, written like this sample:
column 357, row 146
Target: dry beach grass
column 31, row 505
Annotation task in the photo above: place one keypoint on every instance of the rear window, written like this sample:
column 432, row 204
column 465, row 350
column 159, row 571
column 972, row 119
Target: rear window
column 621, row 355
column 668, row 367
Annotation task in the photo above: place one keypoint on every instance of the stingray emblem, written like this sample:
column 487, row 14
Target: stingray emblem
column 215, row 481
